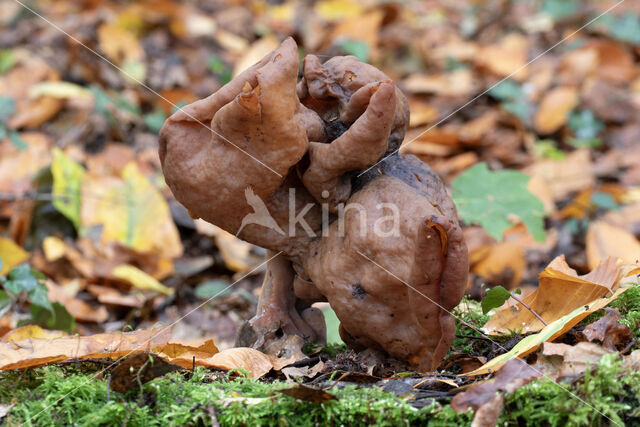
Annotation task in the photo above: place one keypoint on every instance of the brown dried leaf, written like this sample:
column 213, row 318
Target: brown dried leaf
column 257, row 363
column 141, row 367
column 608, row 330
column 309, row 394
column 554, row 109
column 513, row 375
column 604, row 240
column 563, row 177
column 560, row 292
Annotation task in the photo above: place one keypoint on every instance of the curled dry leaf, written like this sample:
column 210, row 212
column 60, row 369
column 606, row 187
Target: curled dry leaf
column 137, row 369
column 560, row 292
column 608, row 330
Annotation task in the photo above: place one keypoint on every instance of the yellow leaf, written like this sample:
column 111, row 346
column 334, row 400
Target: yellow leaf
column 54, row 248
column 140, row 279
column 335, row 10
column 118, row 44
column 604, row 240
column 31, row 331
column 11, row 255
column 62, row 90
column 67, row 185
column 131, row 211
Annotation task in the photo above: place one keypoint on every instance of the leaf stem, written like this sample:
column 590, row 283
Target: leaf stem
column 529, row 308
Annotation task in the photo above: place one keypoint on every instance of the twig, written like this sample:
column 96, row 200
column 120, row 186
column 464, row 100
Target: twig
column 528, row 308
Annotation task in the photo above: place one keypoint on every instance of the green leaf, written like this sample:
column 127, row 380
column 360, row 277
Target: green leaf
column 491, row 198
column 21, row 279
column 17, row 141
column 58, row 318
column 155, row 120
column 5, row 303
column 559, row 9
column 625, row 28
column 520, row 108
column 357, row 48
column 604, row 201
column 7, row 60
column 220, row 69
column 333, row 324
column 40, row 297
column 547, row 149
column 507, row 91
column 67, row 186
column 494, row 299
column 7, row 108
column 585, row 125
column 212, row 288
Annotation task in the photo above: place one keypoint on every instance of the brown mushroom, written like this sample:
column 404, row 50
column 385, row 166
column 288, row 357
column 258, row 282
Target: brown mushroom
column 392, row 261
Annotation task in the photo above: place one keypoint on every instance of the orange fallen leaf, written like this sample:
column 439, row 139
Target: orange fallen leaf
column 554, row 109
column 259, row 364
column 500, row 263
column 604, row 240
column 507, row 56
column 76, row 307
column 560, row 292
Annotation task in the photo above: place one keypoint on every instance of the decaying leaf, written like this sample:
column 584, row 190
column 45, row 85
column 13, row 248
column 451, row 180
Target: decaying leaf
column 573, row 173
column 309, row 394
column 138, row 369
column 257, row 363
column 564, row 362
column 513, row 375
column 608, row 330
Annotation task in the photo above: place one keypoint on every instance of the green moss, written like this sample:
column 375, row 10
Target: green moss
column 605, row 396
column 54, row 395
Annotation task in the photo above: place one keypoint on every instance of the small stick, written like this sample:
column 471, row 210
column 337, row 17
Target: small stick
column 528, row 308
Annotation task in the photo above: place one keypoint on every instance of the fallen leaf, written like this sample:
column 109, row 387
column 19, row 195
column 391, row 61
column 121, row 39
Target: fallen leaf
column 67, row 186
column 549, row 333
column 571, row 362
column 11, row 255
column 506, row 57
column 604, row 240
column 513, row 375
column 118, row 44
column 336, row 10
column 501, row 263
column 235, row 253
column 257, row 51
column 31, row 331
column 608, row 330
column 138, row 369
column 60, row 90
column 615, row 63
column 303, row 371
column 455, row 83
column 76, row 307
column 554, row 109
column 560, row 292
column 54, row 248
column 32, row 350
column 131, row 211
column 4, row 410
column 140, row 280
column 566, row 176
column 249, row 359
column 308, row 394
column 111, row 296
